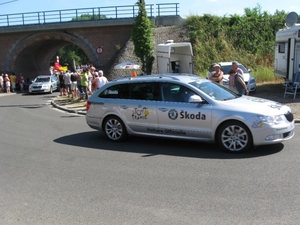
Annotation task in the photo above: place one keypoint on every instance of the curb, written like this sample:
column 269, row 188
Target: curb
column 81, row 112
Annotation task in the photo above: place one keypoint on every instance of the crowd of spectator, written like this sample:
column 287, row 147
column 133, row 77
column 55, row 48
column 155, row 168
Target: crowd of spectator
column 11, row 83
column 82, row 83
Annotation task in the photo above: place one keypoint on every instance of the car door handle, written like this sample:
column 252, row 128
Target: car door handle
column 123, row 106
column 163, row 109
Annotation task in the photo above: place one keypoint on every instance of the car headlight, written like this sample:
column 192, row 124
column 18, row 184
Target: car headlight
column 271, row 119
column 45, row 85
column 251, row 80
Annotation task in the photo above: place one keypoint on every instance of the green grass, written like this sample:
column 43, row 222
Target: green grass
column 264, row 74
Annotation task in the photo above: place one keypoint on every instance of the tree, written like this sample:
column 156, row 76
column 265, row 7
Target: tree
column 142, row 38
column 69, row 53
column 89, row 17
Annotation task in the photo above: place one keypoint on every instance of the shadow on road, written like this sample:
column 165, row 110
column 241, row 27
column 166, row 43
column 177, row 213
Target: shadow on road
column 162, row 146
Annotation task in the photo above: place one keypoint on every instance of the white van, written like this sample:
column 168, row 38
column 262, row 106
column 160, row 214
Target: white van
column 287, row 50
column 175, row 57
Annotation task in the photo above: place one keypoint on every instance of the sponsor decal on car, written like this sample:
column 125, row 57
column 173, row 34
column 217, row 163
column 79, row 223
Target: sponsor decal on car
column 166, row 131
column 140, row 113
column 253, row 99
column 257, row 124
column 276, row 106
column 173, row 114
column 191, row 116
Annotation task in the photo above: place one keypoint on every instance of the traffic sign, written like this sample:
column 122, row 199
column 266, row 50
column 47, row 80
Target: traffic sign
column 99, row 50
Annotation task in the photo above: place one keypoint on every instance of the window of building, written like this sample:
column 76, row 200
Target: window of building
column 281, row 47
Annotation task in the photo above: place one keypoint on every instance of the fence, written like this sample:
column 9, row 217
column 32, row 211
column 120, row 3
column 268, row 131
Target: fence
column 87, row 14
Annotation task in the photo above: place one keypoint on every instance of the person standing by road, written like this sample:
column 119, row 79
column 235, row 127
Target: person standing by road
column 84, row 83
column 95, row 81
column 74, row 84
column 102, row 79
column 1, row 82
column 217, row 75
column 13, row 82
column 67, row 82
column 21, row 82
column 7, row 83
column 90, row 74
column 239, row 84
column 61, row 83
column 235, row 67
column 79, row 89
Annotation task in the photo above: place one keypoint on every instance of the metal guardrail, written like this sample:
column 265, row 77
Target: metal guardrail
column 87, row 14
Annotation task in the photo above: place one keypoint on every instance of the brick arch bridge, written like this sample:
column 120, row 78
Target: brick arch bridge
column 30, row 52
column 28, row 41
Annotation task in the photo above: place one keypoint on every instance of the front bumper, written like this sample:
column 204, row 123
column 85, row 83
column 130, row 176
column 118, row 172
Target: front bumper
column 271, row 134
column 39, row 90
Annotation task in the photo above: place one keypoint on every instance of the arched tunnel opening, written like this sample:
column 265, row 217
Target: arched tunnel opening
column 36, row 58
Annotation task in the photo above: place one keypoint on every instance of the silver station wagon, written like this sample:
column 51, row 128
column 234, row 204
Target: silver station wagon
column 187, row 107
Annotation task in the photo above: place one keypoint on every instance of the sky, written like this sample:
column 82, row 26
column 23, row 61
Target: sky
column 186, row 7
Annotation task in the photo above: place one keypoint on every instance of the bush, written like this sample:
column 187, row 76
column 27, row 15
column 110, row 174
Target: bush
column 249, row 38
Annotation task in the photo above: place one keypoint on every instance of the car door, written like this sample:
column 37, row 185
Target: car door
column 138, row 106
column 178, row 117
column 53, row 83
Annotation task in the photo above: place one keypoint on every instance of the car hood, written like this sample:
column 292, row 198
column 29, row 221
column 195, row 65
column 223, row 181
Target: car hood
column 257, row 106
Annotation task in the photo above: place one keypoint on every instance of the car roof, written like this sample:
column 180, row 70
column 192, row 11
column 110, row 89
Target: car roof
column 180, row 77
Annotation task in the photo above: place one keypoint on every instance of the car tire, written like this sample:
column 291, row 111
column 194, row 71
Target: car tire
column 114, row 129
column 51, row 90
column 234, row 136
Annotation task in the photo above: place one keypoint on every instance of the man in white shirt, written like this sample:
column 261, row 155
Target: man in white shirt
column 102, row 79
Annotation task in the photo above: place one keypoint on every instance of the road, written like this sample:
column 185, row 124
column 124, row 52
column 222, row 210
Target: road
column 54, row 169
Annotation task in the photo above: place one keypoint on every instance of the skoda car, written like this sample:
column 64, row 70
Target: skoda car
column 44, row 84
column 226, row 67
column 187, row 107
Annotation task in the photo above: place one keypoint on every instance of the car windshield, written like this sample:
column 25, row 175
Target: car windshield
column 226, row 69
column 214, row 90
column 42, row 79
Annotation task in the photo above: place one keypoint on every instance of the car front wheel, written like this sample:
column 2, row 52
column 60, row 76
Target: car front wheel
column 51, row 90
column 234, row 136
column 115, row 129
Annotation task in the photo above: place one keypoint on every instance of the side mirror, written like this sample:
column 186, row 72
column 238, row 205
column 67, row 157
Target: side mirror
column 249, row 70
column 195, row 99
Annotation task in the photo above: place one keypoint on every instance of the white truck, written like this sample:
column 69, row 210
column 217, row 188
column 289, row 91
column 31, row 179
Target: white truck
column 287, row 50
column 174, row 57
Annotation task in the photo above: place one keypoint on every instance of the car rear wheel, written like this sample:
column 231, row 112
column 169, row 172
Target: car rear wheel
column 234, row 136
column 114, row 129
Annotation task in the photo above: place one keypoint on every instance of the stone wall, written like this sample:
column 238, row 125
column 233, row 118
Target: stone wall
column 160, row 35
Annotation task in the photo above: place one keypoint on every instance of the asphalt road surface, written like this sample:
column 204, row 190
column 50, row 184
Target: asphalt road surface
column 54, row 169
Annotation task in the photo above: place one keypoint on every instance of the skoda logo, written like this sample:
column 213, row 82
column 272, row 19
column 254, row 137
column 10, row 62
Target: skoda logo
column 173, row 114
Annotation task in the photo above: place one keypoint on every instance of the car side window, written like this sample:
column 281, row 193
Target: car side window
column 175, row 93
column 141, row 91
column 112, row 91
